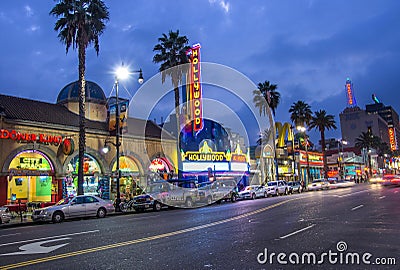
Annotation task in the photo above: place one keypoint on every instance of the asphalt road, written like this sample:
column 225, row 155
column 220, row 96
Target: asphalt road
column 343, row 225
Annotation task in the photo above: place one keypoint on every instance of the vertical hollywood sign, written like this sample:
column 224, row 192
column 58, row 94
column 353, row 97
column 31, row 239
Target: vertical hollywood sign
column 392, row 139
column 195, row 88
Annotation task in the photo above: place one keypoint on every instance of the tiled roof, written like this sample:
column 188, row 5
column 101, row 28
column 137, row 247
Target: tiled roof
column 17, row 108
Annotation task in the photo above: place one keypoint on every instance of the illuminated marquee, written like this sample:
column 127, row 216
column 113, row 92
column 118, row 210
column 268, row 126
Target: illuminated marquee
column 392, row 139
column 195, row 88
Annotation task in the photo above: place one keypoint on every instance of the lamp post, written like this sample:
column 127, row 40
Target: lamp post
column 121, row 73
column 303, row 129
column 293, row 156
column 341, row 142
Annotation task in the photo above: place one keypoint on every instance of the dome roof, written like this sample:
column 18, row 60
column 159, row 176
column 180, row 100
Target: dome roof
column 70, row 92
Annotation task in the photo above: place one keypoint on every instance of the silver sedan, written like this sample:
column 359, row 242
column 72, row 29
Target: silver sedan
column 79, row 206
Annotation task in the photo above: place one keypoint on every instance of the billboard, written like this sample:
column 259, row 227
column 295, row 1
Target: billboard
column 123, row 116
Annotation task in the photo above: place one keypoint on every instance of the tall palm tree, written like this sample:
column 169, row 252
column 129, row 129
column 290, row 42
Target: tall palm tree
column 171, row 53
column 300, row 113
column 271, row 95
column 80, row 23
column 321, row 122
column 367, row 141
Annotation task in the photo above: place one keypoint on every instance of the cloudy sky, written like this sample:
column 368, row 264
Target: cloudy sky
column 308, row 48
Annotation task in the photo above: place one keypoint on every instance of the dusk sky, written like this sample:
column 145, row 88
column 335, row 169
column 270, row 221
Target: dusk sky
column 308, row 48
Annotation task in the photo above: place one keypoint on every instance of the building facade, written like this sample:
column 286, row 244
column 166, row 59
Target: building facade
column 39, row 148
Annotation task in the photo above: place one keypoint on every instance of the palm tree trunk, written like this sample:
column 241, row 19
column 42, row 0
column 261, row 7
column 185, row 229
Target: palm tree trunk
column 324, row 154
column 82, row 97
column 369, row 163
column 178, row 129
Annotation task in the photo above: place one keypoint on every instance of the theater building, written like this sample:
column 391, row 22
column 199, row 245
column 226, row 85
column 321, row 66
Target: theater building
column 39, row 148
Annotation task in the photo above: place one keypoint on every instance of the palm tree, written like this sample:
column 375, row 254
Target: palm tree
column 80, row 23
column 321, row 122
column 171, row 53
column 270, row 93
column 367, row 141
column 300, row 113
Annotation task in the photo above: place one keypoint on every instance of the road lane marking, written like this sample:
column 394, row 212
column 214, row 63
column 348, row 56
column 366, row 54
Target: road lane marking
column 37, row 248
column 296, row 232
column 350, row 194
column 357, row 207
column 45, row 238
column 141, row 240
column 5, row 235
column 382, row 197
column 140, row 218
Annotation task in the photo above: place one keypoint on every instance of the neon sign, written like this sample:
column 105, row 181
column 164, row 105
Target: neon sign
column 195, row 88
column 30, row 137
column 392, row 139
column 351, row 101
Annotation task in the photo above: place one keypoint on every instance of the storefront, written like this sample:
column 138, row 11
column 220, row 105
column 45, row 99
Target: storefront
column 31, row 178
column 131, row 179
column 39, row 158
column 315, row 164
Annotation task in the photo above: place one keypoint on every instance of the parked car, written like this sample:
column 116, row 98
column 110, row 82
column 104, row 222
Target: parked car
column 5, row 215
column 205, row 193
column 318, row 184
column 295, row 187
column 73, row 207
column 224, row 190
column 277, row 188
column 183, row 193
column 153, row 197
column 253, row 192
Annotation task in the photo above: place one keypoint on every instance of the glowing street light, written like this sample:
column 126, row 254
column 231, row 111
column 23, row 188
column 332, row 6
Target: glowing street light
column 121, row 73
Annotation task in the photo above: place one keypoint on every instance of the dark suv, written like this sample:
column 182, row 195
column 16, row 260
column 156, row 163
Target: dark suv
column 154, row 197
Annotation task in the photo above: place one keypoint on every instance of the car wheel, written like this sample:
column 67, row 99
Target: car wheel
column 58, row 217
column 101, row 213
column 189, row 203
column 209, row 200
column 233, row 198
column 157, row 206
column 253, row 196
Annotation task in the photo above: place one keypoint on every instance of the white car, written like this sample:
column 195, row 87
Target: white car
column 318, row 184
column 277, row 188
column 341, row 183
column 253, row 192
column 5, row 215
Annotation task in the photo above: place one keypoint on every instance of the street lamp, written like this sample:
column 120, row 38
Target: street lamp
column 303, row 129
column 341, row 142
column 120, row 74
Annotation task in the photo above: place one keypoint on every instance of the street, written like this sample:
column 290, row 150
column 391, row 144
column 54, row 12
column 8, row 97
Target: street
column 329, row 224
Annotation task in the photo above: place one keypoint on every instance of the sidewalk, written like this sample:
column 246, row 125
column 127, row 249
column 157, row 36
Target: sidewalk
column 27, row 220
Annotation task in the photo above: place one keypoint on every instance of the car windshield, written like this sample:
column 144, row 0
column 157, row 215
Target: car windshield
column 272, row 184
column 64, row 201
